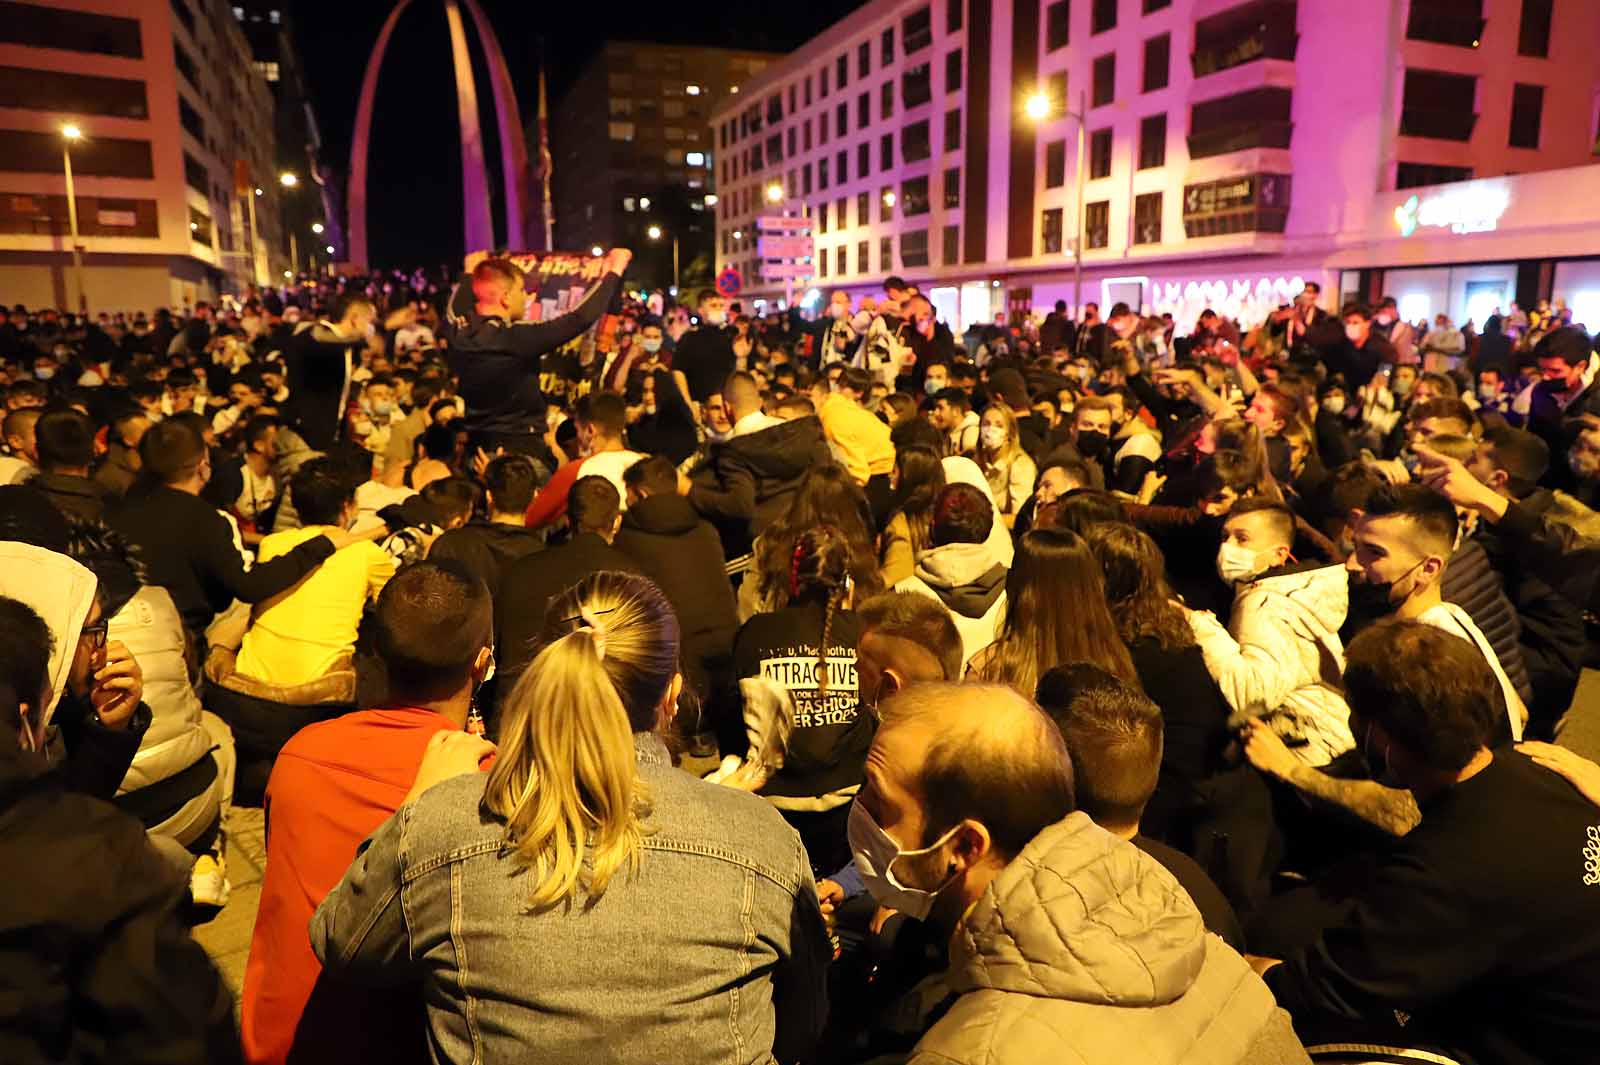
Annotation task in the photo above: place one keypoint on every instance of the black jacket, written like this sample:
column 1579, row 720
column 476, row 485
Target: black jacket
column 1479, row 924
column 670, row 431
column 487, row 550
column 77, row 497
column 188, row 549
column 317, row 364
column 497, row 363
column 94, row 963
column 674, row 547
column 1358, row 365
column 526, row 587
column 704, row 356
column 1471, row 583
column 748, row 482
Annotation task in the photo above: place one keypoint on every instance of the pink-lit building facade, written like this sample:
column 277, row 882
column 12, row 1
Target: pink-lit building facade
column 1441, row 151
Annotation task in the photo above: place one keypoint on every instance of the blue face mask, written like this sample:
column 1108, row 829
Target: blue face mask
column 932, row 387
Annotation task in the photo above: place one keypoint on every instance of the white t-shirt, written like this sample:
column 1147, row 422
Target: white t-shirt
column 1452, row 619
column 610, row 464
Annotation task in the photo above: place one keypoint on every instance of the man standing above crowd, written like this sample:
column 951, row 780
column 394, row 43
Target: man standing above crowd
column 704, row 357
column 496, row 354
column 320, row 359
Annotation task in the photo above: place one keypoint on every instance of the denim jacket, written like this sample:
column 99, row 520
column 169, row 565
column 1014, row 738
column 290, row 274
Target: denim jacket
column 712, row 951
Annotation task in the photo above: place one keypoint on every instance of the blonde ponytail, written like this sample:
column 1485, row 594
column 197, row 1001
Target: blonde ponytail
column 565, row 781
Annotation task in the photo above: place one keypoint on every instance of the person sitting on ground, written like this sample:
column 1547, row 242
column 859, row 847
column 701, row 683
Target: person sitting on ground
column 917, row 480
column 333, row 785
column 488, row 548
column 120, row 468
column 961, row 569
column 64, row 440
column 1114, row 735
column 1009, row 469
column 858, row 437
column 21, row 460
column 99, row 965
column 1066, row 943
column 672, row 545
column 602, row 421
column 953, row 416
column 1476, row 927
column 554, row 851
column 826, row 496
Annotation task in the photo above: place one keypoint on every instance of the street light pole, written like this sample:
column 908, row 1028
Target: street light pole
column 674, row 264
column 1077, row 243
column 70, row 134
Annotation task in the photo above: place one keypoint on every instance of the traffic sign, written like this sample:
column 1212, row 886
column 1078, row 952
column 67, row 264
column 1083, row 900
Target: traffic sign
column 775, row 223
column 772, row 271
column 729, row 282
column 785, row 247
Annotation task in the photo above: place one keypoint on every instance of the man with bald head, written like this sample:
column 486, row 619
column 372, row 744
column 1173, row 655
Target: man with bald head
column 1067, row 943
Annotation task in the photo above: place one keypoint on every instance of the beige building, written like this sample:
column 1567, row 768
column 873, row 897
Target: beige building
column 173, row 117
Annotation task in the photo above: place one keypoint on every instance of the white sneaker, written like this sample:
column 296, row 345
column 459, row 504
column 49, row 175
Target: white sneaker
column 208, row 883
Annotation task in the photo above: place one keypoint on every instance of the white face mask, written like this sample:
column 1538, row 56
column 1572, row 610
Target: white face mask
column 993, row 436
column 1488, row 392
column 875, row 853
column 716, row 317
column 1333, row 404
column 1236, row 562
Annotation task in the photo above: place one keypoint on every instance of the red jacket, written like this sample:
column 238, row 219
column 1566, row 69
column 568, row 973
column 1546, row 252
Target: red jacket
column 333, row 784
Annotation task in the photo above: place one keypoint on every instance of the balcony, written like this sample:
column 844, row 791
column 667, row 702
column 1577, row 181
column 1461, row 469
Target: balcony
column 1437, row 124
column 1255, row 118
column 1445, row 22
column 1264, row 29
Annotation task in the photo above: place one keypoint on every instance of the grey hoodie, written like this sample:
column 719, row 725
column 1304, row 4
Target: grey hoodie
column 970, row 580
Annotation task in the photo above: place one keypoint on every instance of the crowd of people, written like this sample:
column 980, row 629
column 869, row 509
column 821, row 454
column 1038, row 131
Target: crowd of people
column 1074, row 689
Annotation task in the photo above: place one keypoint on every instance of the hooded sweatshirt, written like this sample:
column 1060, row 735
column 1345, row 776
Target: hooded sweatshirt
column 1281, row 657
column 970, row 580
column 1084, row 949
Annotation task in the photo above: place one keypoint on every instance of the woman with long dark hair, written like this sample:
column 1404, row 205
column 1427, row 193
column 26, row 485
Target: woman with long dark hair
column 917, row 479
column 826, row 496
column 1055, row 615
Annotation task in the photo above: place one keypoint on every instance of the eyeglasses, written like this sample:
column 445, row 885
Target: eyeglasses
column 96, row 635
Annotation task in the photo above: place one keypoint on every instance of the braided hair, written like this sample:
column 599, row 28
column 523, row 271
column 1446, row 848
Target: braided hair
column 819, row 572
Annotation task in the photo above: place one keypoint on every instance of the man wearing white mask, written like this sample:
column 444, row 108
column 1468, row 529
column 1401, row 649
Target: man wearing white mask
column 1280, row 658
column 704, row 356
column 1066, row 942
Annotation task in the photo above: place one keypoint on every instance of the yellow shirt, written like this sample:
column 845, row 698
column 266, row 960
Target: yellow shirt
column 859, row 438
column 299, row 635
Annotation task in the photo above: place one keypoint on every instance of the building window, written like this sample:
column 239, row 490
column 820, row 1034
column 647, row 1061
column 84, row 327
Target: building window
column 79, row 94
column 1152, row 141
column 841, row 164
column 1157, row 62
column 952, row 188
column 822, row 262
column 1438, row 105
column 863, row 111
column 1255, row 118
column 807, row 93
column 886, row 204
column 822, row 128
column 70, row 31
column 1055, row 164
column 1050, row 229
column 916, row 86
column 1100, row 154
column 952, row 131
column 1533, row 37
column 1057, row 31
column 863, row 159
column 862, row 266
column 1412, row 175
column 863, row 211
column 822, row 173
column 1104, row 17
column 1155, row 5
column 885, row 254
column 844, row 259
column 805, row 134
column 1527, row 105
column 774, row 109
column 841, row 209
column 917, row 31
column 672, row 109
column 914, row 248
column 952, row 245
column 822, row 218
column 620, row 131
column 1262, row 29
column 915, row 143
column 886, row 100
column 886, row 151
column 1105, row 80
column 952, row 71
column 195, row 174
column 841, row 115
column 1147, row 218
column 914, row 196
column 1097, row 224
column 954, row 13
column 886, row 50
column 1457, row 22
column 864, row 60
column 774, row 148
column 789, row 139
column 822, row 84
column 1057, row 91
column 674, row 156
column 199, row 226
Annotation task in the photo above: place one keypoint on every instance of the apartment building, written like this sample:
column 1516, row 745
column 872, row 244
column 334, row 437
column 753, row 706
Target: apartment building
column 1231, row 151
column 631, row 150
column 176, row 142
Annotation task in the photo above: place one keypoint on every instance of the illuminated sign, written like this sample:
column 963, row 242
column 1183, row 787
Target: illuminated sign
column 1471, row 208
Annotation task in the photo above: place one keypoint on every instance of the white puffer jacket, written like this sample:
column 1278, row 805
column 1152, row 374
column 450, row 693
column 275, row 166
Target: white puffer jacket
column 149, row 625
column 1281, row 657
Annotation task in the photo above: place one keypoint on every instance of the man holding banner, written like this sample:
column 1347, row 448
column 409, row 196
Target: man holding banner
column 496, row 354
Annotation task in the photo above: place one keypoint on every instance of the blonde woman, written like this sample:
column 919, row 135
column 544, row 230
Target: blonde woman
column 584, row 897
column 1007, row 468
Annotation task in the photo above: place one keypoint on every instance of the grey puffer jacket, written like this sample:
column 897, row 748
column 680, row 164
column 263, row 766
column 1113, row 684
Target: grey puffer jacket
column 1084, row 951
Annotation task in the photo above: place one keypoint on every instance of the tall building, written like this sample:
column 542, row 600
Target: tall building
column 1439, row 150
column 174, row 122
column 632, row 149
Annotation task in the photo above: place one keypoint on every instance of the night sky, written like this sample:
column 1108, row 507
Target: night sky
column 414, row 196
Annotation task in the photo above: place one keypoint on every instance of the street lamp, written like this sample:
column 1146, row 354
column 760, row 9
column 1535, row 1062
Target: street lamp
column 644, row 203
column 710, row 199
column 1039, row 107
column 316, row 227
column 597, row 251
column 69, row 134
column 329, row 249
column 888, row 199
column 692, row 90
column 288, row 179
column 774, row 192
column 654, row 233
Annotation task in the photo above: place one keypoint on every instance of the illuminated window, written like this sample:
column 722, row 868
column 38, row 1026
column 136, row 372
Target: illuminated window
column 695, row 158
